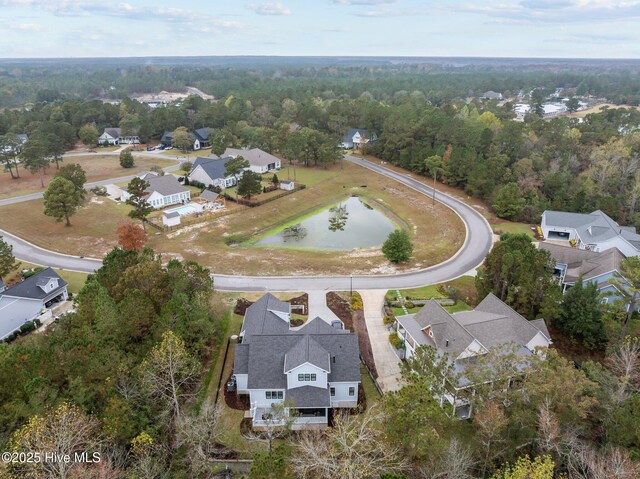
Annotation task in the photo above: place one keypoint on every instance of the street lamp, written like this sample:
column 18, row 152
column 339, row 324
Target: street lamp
column 351, row 286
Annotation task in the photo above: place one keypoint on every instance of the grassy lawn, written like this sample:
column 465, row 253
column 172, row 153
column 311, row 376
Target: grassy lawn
column 97, row 167
column 466, row 285
column 370, row 391
column 437, row 233
column 92, row 231
column 74, row 279
column 511, row 227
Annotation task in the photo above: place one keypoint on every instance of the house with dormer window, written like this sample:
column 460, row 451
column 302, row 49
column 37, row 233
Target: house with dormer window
column 313, row 368
column 466, row 335
column 28, row 299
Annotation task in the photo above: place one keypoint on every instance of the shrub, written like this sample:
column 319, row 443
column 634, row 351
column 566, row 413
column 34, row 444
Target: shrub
column 126, row 159
column 30, row 272
column 398, row 248
column 27, row 327
column 99, row 191
column 186, row 181
column 37, row 323
column 388, row 320
column 409, row 305
column 186, row 166
column 356, row 302
column 396, row 341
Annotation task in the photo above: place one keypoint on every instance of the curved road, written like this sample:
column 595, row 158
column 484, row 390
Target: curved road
column 476, row 246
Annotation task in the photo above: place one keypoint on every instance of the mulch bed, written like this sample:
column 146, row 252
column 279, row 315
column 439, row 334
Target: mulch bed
column 341, row 308
column 303, row 300
column 241, row 306
column 353, row 321
column 223, row 452
column 234, row 400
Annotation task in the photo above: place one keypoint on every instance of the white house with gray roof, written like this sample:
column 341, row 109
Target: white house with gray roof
column 26, row 300
column 163, row 190
column 211, row 171
column 465, row 335
column 594, row 231
column 312, row 368
column 259, row 161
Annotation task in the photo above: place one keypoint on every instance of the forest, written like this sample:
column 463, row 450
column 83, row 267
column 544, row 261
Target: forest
column 102, row 371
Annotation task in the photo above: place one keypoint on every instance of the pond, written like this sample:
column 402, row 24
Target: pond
column 344, row 226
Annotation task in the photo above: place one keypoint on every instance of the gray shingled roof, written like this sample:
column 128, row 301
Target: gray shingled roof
column 30, row 287
column 255, row 156
column 307, row 350
column 209, row 195
column 319, row 326
column 113, row 132
column 444, row 329
column 309, row 396
column 491, row 323
column 165, row 185
column 172, row 214
column 241, row 359
column 259, row 319
column 213, row 167
column 593, row 227
column 588, row 264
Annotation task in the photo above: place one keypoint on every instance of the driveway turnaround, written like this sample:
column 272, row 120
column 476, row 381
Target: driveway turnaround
column 318, row 307
column 476, row 246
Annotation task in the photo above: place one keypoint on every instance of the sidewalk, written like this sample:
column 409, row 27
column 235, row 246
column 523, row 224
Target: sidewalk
column 387, row 363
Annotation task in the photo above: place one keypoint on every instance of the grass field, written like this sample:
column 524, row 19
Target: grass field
column 97, row 167
column 92, row 231
column 597, row 109
column 437, row 233
column 511, row 227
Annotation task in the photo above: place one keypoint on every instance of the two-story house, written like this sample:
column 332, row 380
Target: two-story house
column 466, row 335
column 27, row 300
column 591, row 266
column 312, row 368
column 594, row 231
column 356, row 138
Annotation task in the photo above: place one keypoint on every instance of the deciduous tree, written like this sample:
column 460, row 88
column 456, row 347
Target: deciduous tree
column 182, row 139
column 88, row 136
column 7, row 260
column 131, row 236
column 169, row 371
column 126, row 159
column 74, row 173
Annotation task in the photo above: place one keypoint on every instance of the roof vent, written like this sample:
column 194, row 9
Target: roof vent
column 446, row 343
column 334, row 359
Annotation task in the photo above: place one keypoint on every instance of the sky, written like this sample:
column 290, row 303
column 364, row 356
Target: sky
column 490, row 28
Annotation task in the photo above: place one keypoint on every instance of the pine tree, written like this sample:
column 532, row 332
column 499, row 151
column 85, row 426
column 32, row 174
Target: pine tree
column 581, row 316
column 61, row 200
column 398, row 248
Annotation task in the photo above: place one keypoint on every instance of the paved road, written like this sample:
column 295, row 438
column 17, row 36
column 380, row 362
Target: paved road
column 476, row 246
column 88, row 186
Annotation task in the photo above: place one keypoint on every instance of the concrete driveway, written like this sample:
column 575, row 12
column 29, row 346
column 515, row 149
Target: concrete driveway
column 318, row 306
column 387, row 363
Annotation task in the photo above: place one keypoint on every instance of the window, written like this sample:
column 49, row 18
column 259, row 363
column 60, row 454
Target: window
column 274, row 394
column 333, row 392
column 307, row 377
column 300, row 377
column 352, row 391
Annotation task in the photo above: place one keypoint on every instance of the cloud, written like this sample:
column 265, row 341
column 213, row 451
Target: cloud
column 387, row 12
column 276, row 8
column 554, row 11
column 363, row 2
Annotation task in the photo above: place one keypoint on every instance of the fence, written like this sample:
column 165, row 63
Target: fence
column 224, row 362
column 242, row 201
column 375, row 382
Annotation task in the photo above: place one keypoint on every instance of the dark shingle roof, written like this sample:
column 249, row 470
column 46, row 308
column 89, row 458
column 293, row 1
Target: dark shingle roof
column 172, row 214
column 348, row 138
column 209, row 195
column 213, row 167
column 306, row 350
column 255, row 156
column 113, row 132
column 260, row 319
column 202, row 134
column 448, row 334
column 319, row 326
column 241, row 359
column 32, row 286
column 309, row 396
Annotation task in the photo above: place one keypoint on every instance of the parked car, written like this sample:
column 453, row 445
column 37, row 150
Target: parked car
column 150, row 148
column 160, row 147
column 180, row 179
column 168, row 147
